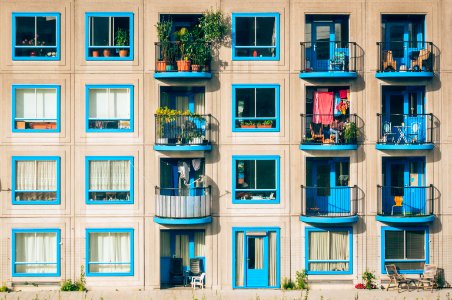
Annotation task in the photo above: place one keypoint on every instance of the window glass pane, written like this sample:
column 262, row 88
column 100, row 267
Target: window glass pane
column 34, row 179
column 408, row 266
column 33, row 247
column 46, row 31
column 120, row 23
column 255, row 253
column 246, row 174
column 26, row 105
column 98, row 103
column 100, row 33
column 415, row 245
column 342, row 173
column 394, row 244
column 25, row 31
column 245, row 99
column 265, row 31
column 109, row 175
column 265, row 102
column 110, row 251
column 245, row 31
column 36, row 103
column 266, row 174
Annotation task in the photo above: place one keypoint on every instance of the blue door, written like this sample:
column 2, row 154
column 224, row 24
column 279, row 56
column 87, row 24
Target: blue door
column 256, row 260
column 323, row 37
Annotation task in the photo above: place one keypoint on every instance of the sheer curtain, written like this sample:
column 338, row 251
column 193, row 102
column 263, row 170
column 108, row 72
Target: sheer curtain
column 259, row 253
column 165, row 246
column 328, row 246
column 36, row 103
column 182, row 103
column 182, row 250
column 109, row 103
column 239, row 258
column 34, row 175
column 109, row 175
column 110, row 251
column 199, row 103
column 272, row 259
column 318, row 250
column 32, row 247
column 339, row 250
column 199, row 239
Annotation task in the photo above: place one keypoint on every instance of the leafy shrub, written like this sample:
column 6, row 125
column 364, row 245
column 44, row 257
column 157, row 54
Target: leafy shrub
column 76, row 286
column 369, row 280
column 4, row 289
column 288, row 284
column 301, row 280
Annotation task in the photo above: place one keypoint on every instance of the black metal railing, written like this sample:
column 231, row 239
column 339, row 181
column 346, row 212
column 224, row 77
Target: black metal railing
column 405, row 129
column 328, row 56
column 336, row 129
column 182, row 130
column 412, row 56
column 183, row 203
column 341, row 201
column 189, row 57
column 405, row 201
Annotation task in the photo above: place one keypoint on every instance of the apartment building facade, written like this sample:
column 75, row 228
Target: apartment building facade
column 318, row 139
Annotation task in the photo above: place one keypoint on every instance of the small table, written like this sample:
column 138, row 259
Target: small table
column 402, row 136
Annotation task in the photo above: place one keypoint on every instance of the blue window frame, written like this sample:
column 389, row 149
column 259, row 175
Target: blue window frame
column 255, row 257
column 319, row 261
column 406, row 247
column 255, row 36
column 118, row 257
column 109, row 108
column 255, row 179
column 35, row 180
column 36, row 108
column 36, row 36
column 109, row 179
column 255, row 107
column 36, row 252
column 109, row 36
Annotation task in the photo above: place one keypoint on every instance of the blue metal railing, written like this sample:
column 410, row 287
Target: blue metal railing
column 341, row 201
column 405, row 201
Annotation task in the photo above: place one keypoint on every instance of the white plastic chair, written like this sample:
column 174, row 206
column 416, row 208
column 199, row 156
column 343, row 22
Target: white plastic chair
column 198, row 281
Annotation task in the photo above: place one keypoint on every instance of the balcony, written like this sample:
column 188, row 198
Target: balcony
column 182, row 132
column 326, row 132
column 330, row 60
column 409, row 204
column 329, row 205
column 168, row 64
column 406, row 60
column 183, row 206
column 405, row 132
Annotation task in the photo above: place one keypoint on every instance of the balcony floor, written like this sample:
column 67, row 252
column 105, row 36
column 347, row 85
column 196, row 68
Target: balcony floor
column 426, row 146
column 187, row 221
column 175, row 75
column 207, row 147
column 328, row 147
column 405, row 219
column 329, row 220
column 402, row 75
column 328, row 74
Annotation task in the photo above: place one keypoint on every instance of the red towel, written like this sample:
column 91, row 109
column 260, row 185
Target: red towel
column 323, row 108
column 343, row 94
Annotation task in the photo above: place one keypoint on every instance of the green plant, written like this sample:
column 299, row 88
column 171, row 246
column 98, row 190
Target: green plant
column 265, row 122
column 301, row 280
column 122, row 37
column 214, row 26
column 164, row 29
column 350, row 132
column 247, row 123
column 4, row 289
column 183, row 37
column 76, row 286
column 369, row 280
column 287, row 284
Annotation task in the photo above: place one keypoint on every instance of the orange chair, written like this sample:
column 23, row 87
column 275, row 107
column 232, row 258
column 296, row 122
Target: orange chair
column 389, row 64
column 398, row 200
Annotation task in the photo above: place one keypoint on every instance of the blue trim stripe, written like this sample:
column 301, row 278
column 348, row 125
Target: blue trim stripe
column 427, row 146
column 350, row 249
column 14, row 160
column 110, row 86
column 277, row 41
column 277, row 190
column 57, row 246
column 207, row 147
column 329, row 220
column 323, row 147
column 131, row 261
column 15, row 87
column 189, row 221
column 129, row 15
column 403, row 75
column 108, row 202
column 276, row 118
column 57, row 35
column 331, row 74
column 198, row 75
column 405, row 220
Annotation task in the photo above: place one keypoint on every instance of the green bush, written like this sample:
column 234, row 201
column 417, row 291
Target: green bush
column 76, row 286
column 288, row 284
column 4, row 289
column 301, row 280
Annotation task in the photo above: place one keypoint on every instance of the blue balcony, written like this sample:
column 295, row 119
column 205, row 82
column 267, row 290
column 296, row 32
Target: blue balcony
column 409, row 204
column 328, row 59
column 324, row 132
column 406, row 59
column 182, row 132
column 405, row 132
column 329, row 205
column 185, row 206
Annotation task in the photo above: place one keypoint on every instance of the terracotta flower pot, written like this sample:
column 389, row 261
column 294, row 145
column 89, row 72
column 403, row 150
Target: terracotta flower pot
column 195, row 68
column 95, row 53
column 247, row 126
column 183, row 65
column 161, row 66
column 107, row 53
column 264, row 125
column 123, row 52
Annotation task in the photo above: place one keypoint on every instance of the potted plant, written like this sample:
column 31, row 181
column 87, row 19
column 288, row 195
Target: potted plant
column 183, row 39
column 121, row 40
column 106, row 52
column 164, row 32
column 164, row 115
column 350, row 133
column 247, row 124
column 265, row 124
column 95, row 53
column 214, row 27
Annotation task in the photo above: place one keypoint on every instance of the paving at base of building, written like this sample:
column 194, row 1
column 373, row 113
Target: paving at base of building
column 343, row 294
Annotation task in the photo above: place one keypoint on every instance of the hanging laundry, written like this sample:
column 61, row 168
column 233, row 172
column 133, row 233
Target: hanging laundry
column 184, row 170
column 337, row 101
column 323, row 108
column 196, row 163
column 343, row 94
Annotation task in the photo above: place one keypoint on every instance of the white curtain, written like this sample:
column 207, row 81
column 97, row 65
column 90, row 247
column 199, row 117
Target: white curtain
column 199, row 103
column 182, row 103
column 36, row 103
column 318, row 250
column 259, row 253
column 239, row 258
column 182, row 250
column 199, row 240
column 328, row 246
column 339, row 250
column 109, row 103
column 165, row 246
column 36, row 247
column 272, row 259
column 109, row 175
column 34, row 175
column 110, row 251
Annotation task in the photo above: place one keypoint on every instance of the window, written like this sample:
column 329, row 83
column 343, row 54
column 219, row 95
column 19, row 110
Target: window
column 255, row 179
column 35, row 180
column 256, row 107
column 109, row 252
column 109, row 108
column 109, row 36
column 36, row 36
column 329, row 251
column 36, row 108
column 255, row 36
column 36, row 252
column 109, row 180
column 407, row 248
